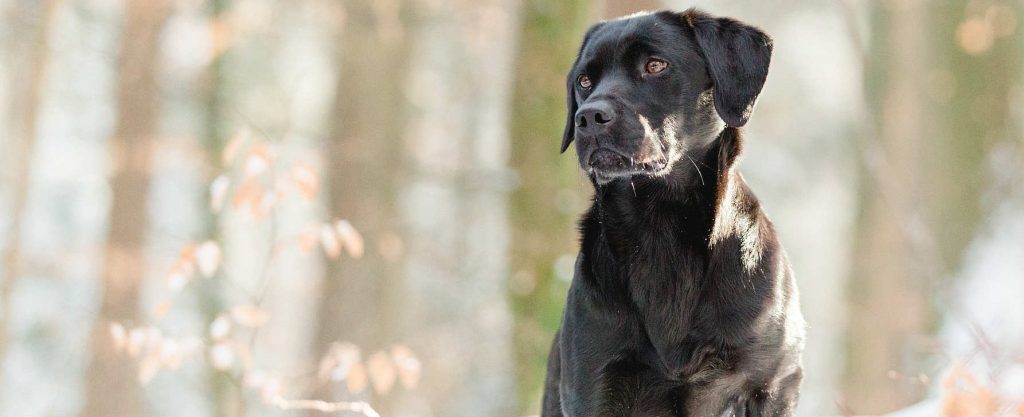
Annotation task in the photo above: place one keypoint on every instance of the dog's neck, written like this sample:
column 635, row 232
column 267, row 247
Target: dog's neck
column 689, row 197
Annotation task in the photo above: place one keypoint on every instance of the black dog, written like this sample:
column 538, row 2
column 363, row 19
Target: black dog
column 683, row 302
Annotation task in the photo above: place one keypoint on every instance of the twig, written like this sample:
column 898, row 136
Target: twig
column 264, row 280
column 926, row 258
column 361, row 407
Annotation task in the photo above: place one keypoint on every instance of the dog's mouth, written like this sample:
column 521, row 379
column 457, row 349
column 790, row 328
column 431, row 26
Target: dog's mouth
column 607, row 165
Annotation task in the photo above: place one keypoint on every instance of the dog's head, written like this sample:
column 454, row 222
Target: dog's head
column 648, row 87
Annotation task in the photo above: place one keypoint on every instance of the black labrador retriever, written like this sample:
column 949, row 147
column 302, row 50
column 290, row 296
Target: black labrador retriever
column 683, row 301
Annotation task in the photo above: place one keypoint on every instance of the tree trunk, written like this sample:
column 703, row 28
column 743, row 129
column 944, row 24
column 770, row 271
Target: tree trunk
column 545, row 207
column 887, row 304
column 360, row 298
column 972, row 86
column 454, row 203
column 111, row 380
column 940, row 79
column 225, row 393
column 28, row 83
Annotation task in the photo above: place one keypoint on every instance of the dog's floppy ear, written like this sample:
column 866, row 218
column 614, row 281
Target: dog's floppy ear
column 572, row 105
column 737, row 57
column 570, row 93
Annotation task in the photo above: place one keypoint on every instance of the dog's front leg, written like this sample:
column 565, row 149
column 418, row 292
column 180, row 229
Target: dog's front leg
column 552, row 402
column 666, row 319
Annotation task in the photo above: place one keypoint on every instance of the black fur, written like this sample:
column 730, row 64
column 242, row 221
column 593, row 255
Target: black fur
column 683, row 302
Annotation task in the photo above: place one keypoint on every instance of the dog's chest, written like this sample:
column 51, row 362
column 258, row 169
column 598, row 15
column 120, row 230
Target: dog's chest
column 662, row 270
column 667, row 268
column 645, row 313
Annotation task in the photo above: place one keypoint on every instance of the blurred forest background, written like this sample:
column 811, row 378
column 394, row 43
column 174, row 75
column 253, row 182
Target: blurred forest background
column 267, row 207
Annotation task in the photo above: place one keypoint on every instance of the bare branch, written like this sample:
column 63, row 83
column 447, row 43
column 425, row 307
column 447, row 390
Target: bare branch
column 361, row 407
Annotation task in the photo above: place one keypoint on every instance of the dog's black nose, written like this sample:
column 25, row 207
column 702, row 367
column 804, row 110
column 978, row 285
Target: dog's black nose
column 594, row 117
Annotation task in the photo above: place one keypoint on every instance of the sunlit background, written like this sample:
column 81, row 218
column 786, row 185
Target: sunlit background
column 278, row 207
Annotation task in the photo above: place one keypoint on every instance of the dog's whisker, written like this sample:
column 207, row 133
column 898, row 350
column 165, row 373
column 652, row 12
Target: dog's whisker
column 697, row 168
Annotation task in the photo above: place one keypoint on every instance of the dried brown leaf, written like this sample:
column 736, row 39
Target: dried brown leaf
column 218, row 191
column 337, row 363
column 261, row 207
column 963, row 396
column 119, row 336
column 309, row 238
column 136, row 341
column 350, row 237
column 208, row 257
column 186, row 256
column 257, row 161
column 328, row 363
column 408, row 366
column 249, row 315
column 183, row 269
column 382, row 372
column 355, row 381
column 249, row 193
column 148, row 368
column 306, row 181
column 330, row 242
column 234, row 144
column 979, row 402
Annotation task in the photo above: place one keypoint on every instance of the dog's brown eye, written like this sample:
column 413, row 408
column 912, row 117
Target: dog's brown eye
column 655, row 66
column 583, row 81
